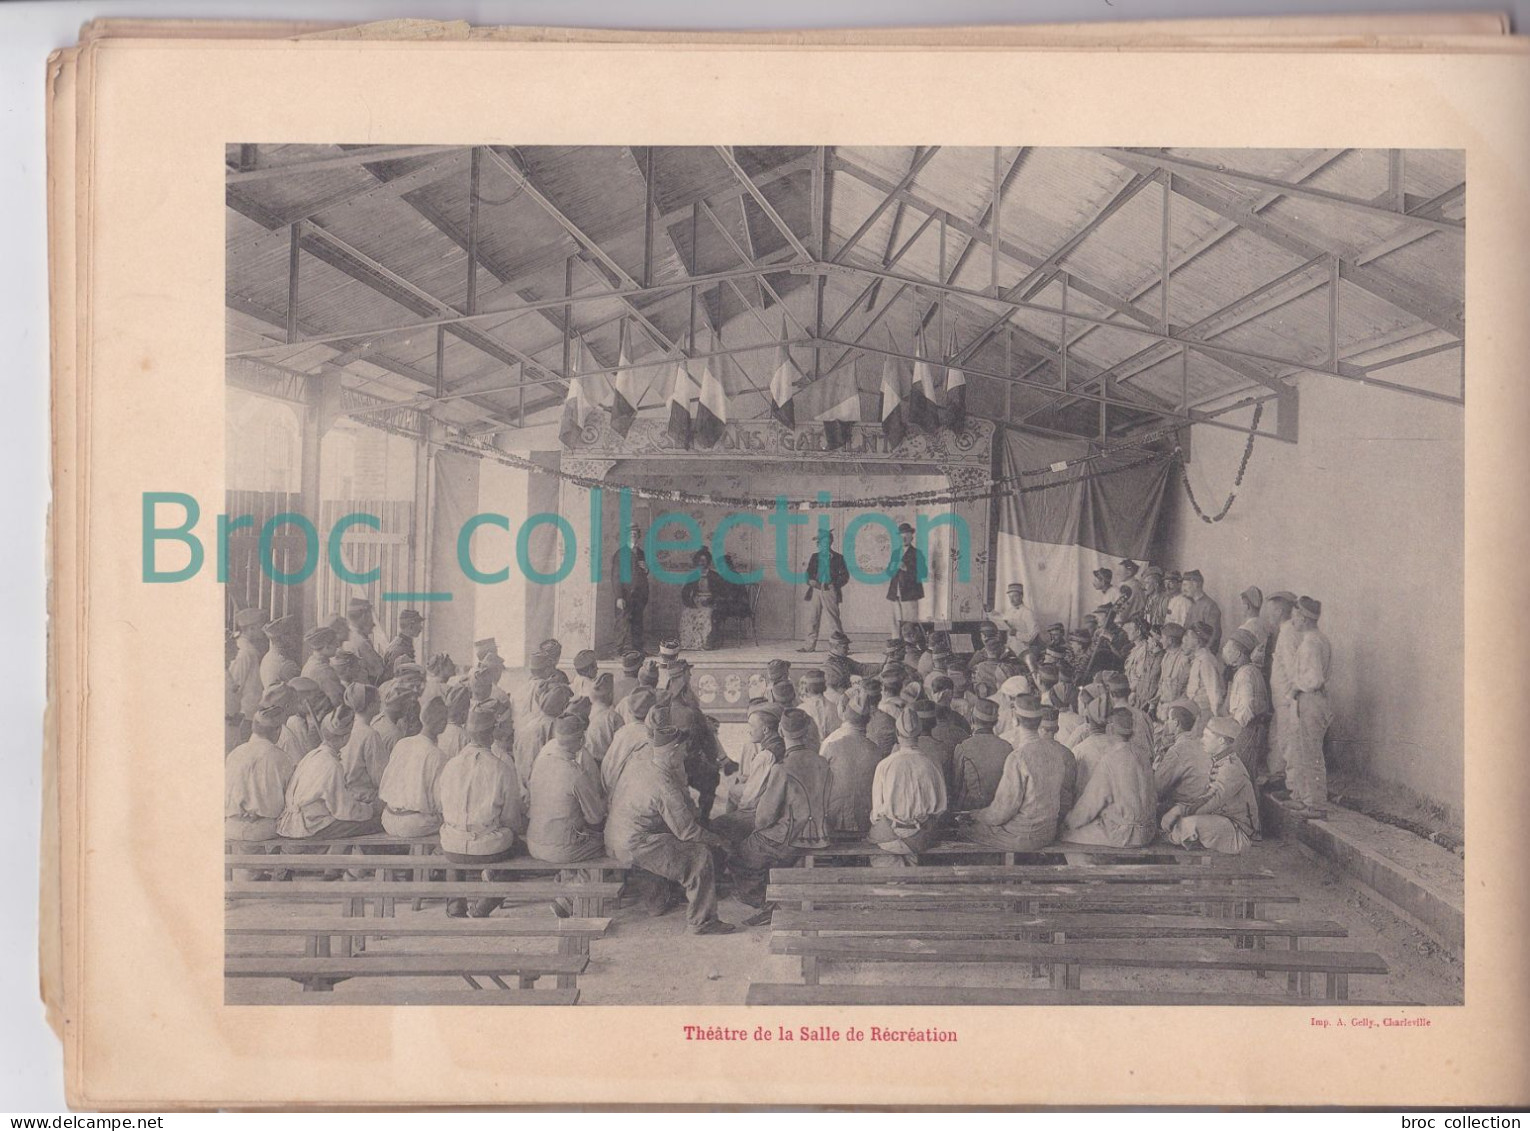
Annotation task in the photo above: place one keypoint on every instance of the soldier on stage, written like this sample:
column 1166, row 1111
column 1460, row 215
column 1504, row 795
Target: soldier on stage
column 906, row 588
column 631, row 592
column 827, row 576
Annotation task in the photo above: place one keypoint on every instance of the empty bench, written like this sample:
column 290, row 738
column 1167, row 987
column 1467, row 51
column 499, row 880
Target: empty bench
column 789, row 993
column 866, row 850
column 353, row 896
column 253, row 991
column 1066, row 960
column 322, row 973
column 573, row 934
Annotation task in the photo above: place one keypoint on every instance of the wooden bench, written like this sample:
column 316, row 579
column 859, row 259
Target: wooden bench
column 418, row 866
column 252, row 991
column 1020, row 873
column 573, row 935
column 1066, row 960
column 385, row 842
column 321, row 973
column 1242, row 897
column 946, row 848
column 587, row 898
column 1059, row 925
column 789, row 993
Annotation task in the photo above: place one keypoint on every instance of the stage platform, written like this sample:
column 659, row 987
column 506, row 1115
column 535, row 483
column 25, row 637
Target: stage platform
column 721, row 677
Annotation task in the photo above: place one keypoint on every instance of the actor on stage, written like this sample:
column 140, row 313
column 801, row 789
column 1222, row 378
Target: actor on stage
column 827, row 576
column 631, row 593
column 906, row 588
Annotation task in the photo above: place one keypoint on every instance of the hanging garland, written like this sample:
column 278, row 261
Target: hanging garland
column 1003, row 485
column 1248, row 450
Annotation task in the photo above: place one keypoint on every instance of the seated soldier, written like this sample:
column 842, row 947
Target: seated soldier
column 1182, row 773
column 979, row 761
column 1226, row 817
column 408, row 787
column 654, row 825
column 852, row 762
column 585, row 670
column 938, row 750
column 792, row 816
column 319, row 805
column 548, row 702
column 882, row 726
column 255, row 777
column 762, row 749
column 812, row 702
column 1034, row 791
column 481, row 807
column 604, row 719
column 626, row 683
column 567, row 807
column 908, row 794
column 459, row 700
column 1115, row 805
column 630, row 739
column 950, row 728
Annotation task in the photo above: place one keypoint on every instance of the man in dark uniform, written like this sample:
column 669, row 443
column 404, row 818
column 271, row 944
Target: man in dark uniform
column 906, row 588
column 631, row 592
column 827, row 576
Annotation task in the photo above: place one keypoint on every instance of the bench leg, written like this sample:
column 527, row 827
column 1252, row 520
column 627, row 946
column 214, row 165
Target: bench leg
column 1338, row 987
column 1293, row 980
column 528, row 981
column 498, row 981
column 1072, row 976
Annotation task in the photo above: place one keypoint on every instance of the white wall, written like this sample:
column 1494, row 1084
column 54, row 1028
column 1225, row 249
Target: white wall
column 1365, row 514
column 501, row 609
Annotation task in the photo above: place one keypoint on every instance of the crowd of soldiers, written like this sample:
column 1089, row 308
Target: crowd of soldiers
column 1142, row 720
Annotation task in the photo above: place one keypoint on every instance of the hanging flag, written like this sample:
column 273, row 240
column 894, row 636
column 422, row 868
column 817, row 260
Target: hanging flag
column 711, row 408
column 578, row 405
column 682, row 392
column 953, row 412
column 783, row 382
column 892, row 402
column 844, row 409
column 921, row 394
column 624, row 390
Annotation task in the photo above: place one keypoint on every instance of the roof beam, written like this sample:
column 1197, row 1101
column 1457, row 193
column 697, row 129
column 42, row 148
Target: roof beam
column 1408, row 297
column 1200, row 169
column 766, row 267
column 367, row 156
column 921, row 159
column 726, row 153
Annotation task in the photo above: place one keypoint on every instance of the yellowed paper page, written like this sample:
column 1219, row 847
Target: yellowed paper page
column 142, row 878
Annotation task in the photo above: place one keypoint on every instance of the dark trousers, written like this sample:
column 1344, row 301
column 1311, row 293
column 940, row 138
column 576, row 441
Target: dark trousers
column 629, row 627
column 751, row 863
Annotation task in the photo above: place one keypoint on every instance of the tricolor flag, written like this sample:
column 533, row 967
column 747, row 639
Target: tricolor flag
column 578, row 405
column 624, row 390
column 783, row 382
column 682, row 392
column 953, row 413
column 922, row 397
column 844, row 409
column 711, row 408
column 892, row 402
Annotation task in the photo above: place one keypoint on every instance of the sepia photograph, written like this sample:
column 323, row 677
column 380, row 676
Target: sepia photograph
column 841, row 575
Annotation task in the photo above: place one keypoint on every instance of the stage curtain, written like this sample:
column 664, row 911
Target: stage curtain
column 1051, row 541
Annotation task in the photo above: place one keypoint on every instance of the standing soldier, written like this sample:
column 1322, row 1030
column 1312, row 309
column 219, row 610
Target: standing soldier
column 631, row 592
column 401, row 647
column 827, row 576
column 906, row 588
column 358, row 613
